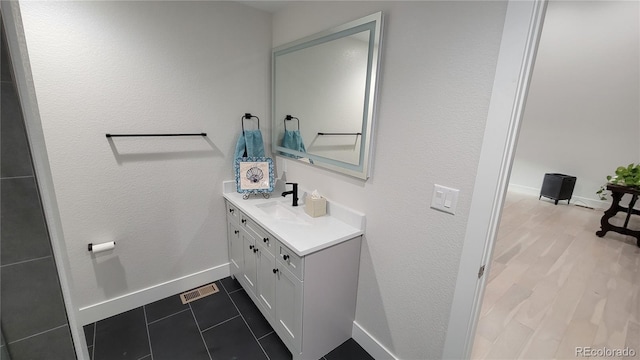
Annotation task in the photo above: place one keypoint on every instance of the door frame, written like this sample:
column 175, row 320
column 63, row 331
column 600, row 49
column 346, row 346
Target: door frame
column 518, row 48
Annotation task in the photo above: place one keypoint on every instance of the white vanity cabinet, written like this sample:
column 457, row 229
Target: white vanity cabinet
column 309, row 300
column 250, row 271
column 236, row 257
column 266, row 289
column 289, row 317
column 259, row 272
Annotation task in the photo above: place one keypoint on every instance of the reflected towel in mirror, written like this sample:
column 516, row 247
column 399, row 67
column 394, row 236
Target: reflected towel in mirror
column 250, row 144
column 293, row 140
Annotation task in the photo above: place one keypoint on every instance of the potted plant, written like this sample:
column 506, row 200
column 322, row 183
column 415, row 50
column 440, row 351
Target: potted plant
column 624, row 176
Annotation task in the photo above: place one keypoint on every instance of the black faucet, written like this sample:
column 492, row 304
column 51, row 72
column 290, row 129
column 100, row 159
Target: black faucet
column 294, row 192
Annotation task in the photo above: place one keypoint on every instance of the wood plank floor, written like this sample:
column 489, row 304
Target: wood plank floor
column 554, row 285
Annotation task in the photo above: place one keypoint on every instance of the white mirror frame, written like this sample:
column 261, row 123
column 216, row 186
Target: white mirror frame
column 373, row 23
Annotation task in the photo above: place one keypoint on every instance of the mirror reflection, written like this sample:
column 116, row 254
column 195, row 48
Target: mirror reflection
column 323, row 88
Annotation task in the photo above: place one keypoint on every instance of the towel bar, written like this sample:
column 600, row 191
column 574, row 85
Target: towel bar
column 140, row 135
column 326, row 133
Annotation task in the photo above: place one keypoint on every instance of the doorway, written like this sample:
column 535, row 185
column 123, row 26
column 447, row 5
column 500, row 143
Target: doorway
column 554, row 287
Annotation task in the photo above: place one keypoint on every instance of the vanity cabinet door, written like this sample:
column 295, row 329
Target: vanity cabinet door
column 233, row 214
column 289, row 308
column 250, row 270
column 236, row 256
column 266, row 286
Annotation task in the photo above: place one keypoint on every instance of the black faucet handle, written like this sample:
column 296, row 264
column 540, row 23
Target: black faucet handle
column 294, row 192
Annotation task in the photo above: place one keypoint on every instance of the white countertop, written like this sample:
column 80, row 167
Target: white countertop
column 307, row 234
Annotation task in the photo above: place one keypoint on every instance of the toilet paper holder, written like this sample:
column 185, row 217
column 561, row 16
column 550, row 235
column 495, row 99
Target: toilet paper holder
column 96, row 248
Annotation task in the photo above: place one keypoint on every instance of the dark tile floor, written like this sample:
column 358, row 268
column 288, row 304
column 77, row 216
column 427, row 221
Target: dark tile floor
column 225, row 325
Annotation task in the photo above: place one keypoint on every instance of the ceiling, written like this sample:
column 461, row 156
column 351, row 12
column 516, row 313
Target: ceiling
column 266, row 5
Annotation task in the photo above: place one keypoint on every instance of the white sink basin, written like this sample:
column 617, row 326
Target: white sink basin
column 279, row 211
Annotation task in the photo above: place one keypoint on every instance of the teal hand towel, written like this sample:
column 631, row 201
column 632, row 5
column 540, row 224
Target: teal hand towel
column 293, row 140
column 250, row 144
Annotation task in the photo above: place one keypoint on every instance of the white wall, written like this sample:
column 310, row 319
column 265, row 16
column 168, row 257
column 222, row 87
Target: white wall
column 438, row 65
column 144, row 67
column 582, row 115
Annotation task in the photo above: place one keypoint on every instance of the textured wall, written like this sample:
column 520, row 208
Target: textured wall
column 144, row 67
column 438, row 64
column 582, row 115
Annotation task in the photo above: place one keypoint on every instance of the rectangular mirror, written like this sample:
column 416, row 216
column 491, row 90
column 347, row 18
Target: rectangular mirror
column 324, row 91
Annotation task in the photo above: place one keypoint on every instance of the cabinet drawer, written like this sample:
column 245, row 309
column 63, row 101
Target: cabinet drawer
column 233, row 214
column 290, row 260
column 251, row 227
column 264, row 239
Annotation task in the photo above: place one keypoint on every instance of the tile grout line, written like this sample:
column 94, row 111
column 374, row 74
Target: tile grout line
column 233, row 291
column 166, row 317
column 16, row 177
column 200, row 331
column 265, row 335
column 93, row 350
column 25, row 261
column 220, row 323
column 245, row 322
column 38, row 334
column 146, row 322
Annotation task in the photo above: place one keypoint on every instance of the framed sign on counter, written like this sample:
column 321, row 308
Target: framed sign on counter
column 254, row 175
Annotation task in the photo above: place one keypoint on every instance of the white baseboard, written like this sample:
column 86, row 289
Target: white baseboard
column 575, row 200
column 521, row 189
column 126, row 302
column 370, row 344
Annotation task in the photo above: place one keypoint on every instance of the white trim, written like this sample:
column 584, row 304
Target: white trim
column 521, row 189
column 370, row 344
column 19, row 56
column 126, row 302
column 520, row 37
column 575, row 200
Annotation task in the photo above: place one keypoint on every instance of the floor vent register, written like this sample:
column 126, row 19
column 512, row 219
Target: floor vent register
column 199, row 293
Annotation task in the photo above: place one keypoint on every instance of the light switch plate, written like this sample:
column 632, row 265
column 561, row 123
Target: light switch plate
column 444, row 199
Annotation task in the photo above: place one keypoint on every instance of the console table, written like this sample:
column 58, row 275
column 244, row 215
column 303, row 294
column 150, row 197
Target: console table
column 617, row 191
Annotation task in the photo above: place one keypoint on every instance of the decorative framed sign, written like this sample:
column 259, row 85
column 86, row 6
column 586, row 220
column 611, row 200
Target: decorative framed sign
column 254, row 175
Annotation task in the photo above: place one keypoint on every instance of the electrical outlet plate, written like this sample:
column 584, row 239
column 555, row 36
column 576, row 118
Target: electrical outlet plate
column 444, row 199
